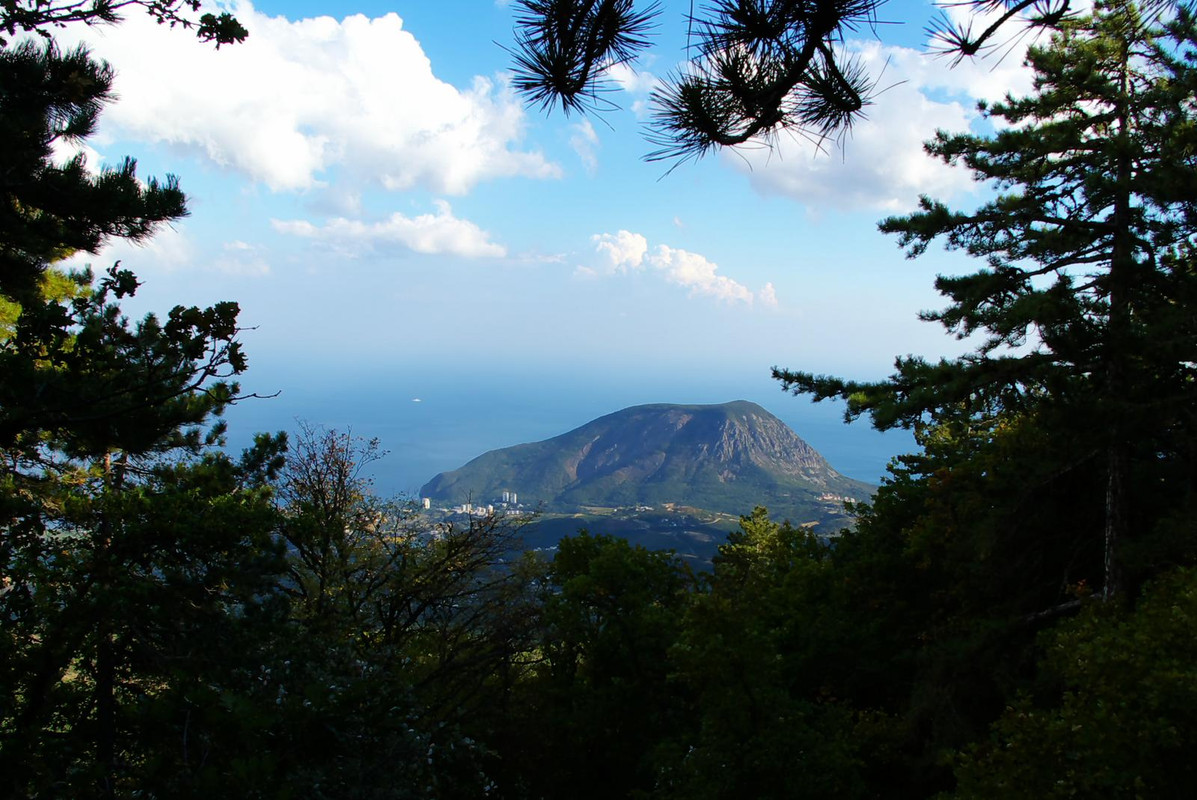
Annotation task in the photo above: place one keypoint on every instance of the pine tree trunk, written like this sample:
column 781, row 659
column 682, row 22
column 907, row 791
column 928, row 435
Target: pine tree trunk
column 1118, row 338
column 106, row 713
column 1116, row 469
column 105, row 688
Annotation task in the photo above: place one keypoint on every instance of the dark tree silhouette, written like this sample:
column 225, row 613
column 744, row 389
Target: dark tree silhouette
column 755, row 67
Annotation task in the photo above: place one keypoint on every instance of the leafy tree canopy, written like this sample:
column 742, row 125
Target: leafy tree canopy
column 42, row 16
column 1116, row 715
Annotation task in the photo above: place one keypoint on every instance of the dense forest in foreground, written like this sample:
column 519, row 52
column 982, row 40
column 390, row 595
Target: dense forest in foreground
column 1013, row 615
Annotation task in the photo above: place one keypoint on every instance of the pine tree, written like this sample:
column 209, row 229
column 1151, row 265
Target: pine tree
column 134, row 556
column 50, row 210
column 1083, row 308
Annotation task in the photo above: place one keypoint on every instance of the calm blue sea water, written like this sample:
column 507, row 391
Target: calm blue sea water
column 431, row 421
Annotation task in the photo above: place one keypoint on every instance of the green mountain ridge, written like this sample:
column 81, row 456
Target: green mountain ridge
column 728, row 457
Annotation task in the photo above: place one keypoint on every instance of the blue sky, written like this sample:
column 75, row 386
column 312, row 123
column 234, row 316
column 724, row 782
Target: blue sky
column 364, row 183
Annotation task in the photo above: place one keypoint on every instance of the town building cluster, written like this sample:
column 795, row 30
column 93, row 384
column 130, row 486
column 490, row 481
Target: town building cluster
column 507, row 504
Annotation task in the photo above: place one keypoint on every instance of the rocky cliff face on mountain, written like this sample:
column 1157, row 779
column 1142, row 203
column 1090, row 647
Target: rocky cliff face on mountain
column 729, row 458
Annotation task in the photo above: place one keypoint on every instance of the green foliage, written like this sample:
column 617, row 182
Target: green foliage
column 406, row 627
column 42, row 16
column 129, row 583
column 611, row 606
column 763, row 728
column 180, row 623
column 590, row 712
column 937, row 594
column 138, row 566
column 74, row 374
column 56, row 286
column 49, row 210
column 80, row 378
column 1056, row 458
column 1121, row 716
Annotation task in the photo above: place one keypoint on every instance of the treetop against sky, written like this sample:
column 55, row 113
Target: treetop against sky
column 365, row 182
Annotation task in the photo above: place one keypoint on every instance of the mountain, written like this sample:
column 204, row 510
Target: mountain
column 724, row 458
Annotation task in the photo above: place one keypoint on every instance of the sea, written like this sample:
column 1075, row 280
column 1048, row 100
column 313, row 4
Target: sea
column 430, row 421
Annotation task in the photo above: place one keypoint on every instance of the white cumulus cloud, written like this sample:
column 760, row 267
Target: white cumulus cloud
column 298, row 100
column 767, row 296
column 696, row 273
column 620, row 251
column 623, row 252
column 639, row 83
column 433, row 234
column 632, row 80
